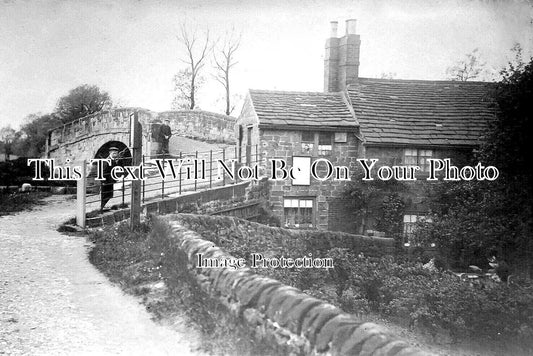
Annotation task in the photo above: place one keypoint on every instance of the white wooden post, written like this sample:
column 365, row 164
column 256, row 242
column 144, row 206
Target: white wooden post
column 81, row 188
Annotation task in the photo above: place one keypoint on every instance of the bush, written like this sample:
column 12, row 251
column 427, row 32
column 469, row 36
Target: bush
column 431, row 300
column 149, row 254
column 19, row 201
column 434, row 301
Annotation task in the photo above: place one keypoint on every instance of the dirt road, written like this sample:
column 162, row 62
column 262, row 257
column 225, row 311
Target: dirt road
column 54, row 302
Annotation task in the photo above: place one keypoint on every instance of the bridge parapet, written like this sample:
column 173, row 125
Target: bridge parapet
column 113, row 121
column 82, row 138
column 202, row 125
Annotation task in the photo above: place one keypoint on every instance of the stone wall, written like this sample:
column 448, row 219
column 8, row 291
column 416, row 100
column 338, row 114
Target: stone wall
column 247, row 131
column 291, row 321
column 414, row 194
column 221, row 200
column 202, row 125
column 286, row 144
column 395, row 156
column 82, row 138
column 222, row 230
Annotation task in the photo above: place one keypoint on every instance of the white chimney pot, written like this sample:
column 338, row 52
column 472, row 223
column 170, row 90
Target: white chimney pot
column 350, row 27
column 334, row 26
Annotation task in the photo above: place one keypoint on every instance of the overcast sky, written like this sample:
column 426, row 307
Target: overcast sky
column 129, row 48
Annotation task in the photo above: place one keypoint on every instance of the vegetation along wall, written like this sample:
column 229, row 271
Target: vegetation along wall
column 290, row 320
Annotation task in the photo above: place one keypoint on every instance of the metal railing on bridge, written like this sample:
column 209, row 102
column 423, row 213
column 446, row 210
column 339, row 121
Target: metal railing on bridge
column 166, row 175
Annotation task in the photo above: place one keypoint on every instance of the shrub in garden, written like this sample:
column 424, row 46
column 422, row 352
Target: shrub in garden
column 437, row 301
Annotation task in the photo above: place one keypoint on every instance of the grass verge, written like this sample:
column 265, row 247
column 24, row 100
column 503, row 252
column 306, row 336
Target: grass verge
column 145, row 263
column 20, row 201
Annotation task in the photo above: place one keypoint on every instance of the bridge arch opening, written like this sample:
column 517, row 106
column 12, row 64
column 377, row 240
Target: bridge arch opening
column 124, row 153
column 103, row 152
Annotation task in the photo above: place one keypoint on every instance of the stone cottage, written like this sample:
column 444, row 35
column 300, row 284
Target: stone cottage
column 399, row 122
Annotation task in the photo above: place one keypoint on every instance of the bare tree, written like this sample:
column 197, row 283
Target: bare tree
column 196, row 53
column 469, row 68
column 224, row 60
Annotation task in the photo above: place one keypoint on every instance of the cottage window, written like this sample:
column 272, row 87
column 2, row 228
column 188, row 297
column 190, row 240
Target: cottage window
column 341, row 137
column 325, row 145
column 298, row 213
column 317, row 143
column 308, row 141
column 416, row 157
column 409, row 224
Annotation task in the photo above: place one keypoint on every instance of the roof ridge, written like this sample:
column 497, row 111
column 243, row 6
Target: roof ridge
column 292, row 92
column 419, row 81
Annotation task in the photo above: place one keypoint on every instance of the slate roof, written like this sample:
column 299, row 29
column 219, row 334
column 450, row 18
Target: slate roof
column 421, row 113
column 312, row 110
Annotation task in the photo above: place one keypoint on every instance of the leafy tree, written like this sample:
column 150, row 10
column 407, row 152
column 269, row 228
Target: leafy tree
column 387, row 75
column 33, row 135
column 373, row 198
column 7, row 136
column 467, row 69
column 474, row 220
column 391, row 215
column 182, row 89
column 82, row 101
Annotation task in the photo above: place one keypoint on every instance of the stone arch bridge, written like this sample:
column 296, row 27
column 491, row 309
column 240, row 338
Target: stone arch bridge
column 91, row 136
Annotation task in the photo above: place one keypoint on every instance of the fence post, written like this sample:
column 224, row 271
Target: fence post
column 210, row 169
column 144, row 182
column 123, row 193
column 136, row 145
column 195, row 170
column 81, row 196
column 237, row 166
column 224, row 160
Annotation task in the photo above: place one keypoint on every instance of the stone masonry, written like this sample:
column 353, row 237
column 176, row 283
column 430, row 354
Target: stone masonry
column 82, row 138
column 292, row 321
column 284, row 145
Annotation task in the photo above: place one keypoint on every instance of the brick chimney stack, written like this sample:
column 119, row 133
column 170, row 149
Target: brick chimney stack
column 341, row 61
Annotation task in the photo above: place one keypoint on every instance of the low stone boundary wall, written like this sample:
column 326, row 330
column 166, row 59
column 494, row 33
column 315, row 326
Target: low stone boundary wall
column 221, row 229
column 177, row 204
column 292, row 321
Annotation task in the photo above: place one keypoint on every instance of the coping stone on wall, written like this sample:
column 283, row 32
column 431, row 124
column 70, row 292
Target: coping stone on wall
column 294, row 321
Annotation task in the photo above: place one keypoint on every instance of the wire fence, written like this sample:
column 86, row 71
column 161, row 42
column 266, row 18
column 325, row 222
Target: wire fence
column 167, row 175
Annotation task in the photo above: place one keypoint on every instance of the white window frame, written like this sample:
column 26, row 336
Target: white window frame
column 308, row 146
column 417, row 157
column 325, row 149
column 299, row 203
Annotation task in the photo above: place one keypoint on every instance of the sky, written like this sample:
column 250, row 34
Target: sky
column 130, row 48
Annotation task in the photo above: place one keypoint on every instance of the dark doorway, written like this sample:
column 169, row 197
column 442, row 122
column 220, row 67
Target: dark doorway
column 249, row 146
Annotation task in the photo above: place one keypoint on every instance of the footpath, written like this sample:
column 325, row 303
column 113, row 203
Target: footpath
column 54, row 302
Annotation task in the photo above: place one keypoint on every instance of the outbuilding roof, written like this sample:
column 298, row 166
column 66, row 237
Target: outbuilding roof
column 312, row 110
